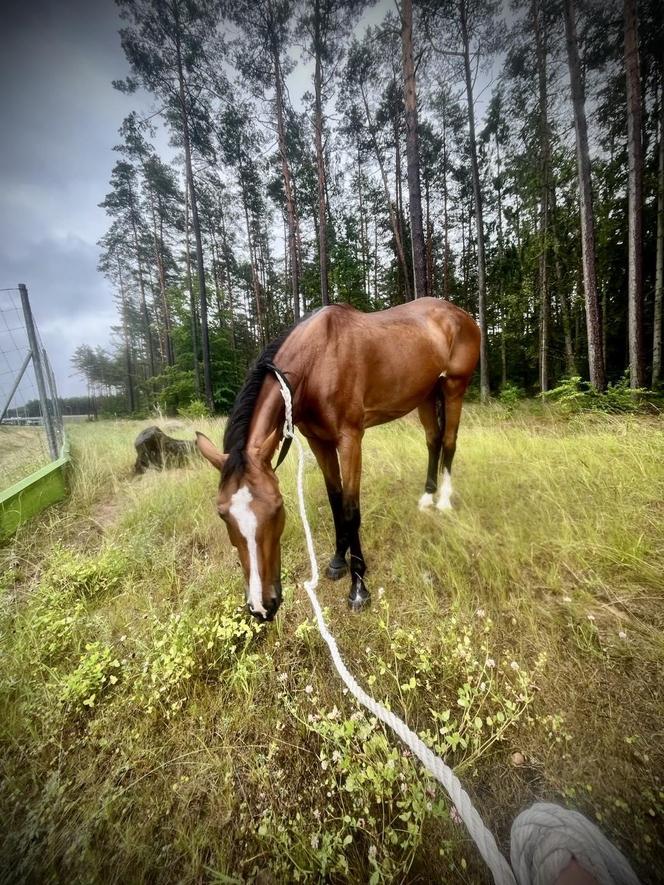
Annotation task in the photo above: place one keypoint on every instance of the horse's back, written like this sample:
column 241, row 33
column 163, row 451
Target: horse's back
column 366, row 369
column 426, row 327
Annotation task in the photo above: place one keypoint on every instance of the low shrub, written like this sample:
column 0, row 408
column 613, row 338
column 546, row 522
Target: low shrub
column 98, row 669
column 84, row 575
column 206, row 647
column 194, row 411
column 575, row 394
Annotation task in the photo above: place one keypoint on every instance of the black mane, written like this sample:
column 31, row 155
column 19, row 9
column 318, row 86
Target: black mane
column 237, row 427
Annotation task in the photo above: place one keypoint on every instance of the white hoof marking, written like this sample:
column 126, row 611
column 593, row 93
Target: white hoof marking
column 444, row 501
column 425, row 501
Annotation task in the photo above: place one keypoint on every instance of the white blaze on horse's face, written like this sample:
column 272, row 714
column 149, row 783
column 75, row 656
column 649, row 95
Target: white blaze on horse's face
column 245, row 518
column 253, row 510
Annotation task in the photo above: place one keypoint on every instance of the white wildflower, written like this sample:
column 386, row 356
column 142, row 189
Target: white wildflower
column 309, row 689
column 514, row 665
column 490, row 663
column 622, row 635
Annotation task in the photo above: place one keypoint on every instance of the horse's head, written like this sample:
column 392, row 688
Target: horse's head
column 250, row 504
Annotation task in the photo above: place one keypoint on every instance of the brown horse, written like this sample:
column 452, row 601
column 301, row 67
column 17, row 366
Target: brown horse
column 347, row 371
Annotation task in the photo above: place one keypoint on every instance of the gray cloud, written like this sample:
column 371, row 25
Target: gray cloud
column 59, row 117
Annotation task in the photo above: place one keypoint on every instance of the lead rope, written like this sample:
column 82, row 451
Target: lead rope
column 542, row 834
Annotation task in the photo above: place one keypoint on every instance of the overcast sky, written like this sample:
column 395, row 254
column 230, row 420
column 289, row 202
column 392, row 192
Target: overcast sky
column 59, row 118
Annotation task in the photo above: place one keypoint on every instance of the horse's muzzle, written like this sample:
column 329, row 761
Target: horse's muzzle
column 272, row 607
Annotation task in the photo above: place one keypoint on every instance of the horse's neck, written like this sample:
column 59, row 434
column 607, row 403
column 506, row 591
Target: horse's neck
column 268, row 420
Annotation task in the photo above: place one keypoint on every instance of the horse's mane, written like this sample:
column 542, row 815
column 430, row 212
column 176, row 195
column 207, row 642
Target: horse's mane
column 237, row 427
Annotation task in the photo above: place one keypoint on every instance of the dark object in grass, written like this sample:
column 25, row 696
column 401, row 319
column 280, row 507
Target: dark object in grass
column 154, row 448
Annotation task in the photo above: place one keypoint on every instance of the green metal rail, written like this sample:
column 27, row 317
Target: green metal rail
column 35, row 493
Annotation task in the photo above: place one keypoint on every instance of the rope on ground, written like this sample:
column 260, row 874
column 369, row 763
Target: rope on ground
column 563, row 834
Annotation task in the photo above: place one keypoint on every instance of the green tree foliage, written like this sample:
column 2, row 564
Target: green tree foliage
column 303, row 197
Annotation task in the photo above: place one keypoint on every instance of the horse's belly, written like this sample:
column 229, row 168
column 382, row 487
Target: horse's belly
column 399, row 399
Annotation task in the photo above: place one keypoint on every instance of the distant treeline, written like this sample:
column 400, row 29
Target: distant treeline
column 70, row 405
column 540, row 211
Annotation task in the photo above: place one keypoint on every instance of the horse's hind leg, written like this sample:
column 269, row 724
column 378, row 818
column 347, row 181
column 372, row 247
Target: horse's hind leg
column 432, row 423
column 350, row 458
column 326, row 455
column 453, row 390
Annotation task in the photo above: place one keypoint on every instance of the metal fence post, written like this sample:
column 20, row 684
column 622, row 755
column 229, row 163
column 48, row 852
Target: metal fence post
column 39, row 372
column 55, row 400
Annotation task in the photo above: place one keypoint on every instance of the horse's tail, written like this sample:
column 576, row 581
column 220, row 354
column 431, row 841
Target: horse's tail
column 440, row 418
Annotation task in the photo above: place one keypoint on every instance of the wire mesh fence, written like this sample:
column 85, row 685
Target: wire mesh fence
column 31, row 427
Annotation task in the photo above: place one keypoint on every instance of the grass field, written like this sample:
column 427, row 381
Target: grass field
column 22, row 451
column 152, row 733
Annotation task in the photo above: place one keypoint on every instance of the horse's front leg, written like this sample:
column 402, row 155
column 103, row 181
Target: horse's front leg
column 326, row 455
column 350, row 459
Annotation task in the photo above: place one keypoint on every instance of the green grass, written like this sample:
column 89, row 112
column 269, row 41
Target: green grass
column 151, row 733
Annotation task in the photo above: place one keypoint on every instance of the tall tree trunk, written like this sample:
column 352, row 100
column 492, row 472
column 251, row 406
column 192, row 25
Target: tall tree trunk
column 131, row 401
column 320, row 157
column 659, row 260
column 570, row 359
column 252, row 261
column 446, row 225
column 158, row 238
column 545, row 176
column 429, row 238
column 635, row 192
column 375, row 273
column 399, row 199
column 398, row 241
column 596, row 356
column 205, row 340
column 192, row 300
column 141, row 285
column 229, row 282
column 464, row 256
column 412, row 152
column 363, row 240
column 479, row 222
column 287, row 179
column 503, row 312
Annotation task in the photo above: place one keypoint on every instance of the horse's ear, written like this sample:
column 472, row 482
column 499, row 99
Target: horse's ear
column 210, row 452
column 268, row 447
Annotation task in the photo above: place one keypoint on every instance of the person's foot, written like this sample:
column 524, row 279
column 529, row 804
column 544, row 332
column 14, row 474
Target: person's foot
column 574, row 874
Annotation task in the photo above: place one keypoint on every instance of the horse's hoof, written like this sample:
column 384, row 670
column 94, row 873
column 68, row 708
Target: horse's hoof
column 359, row 597
column 359, row 603
column 426, row 501
column 337, row 568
